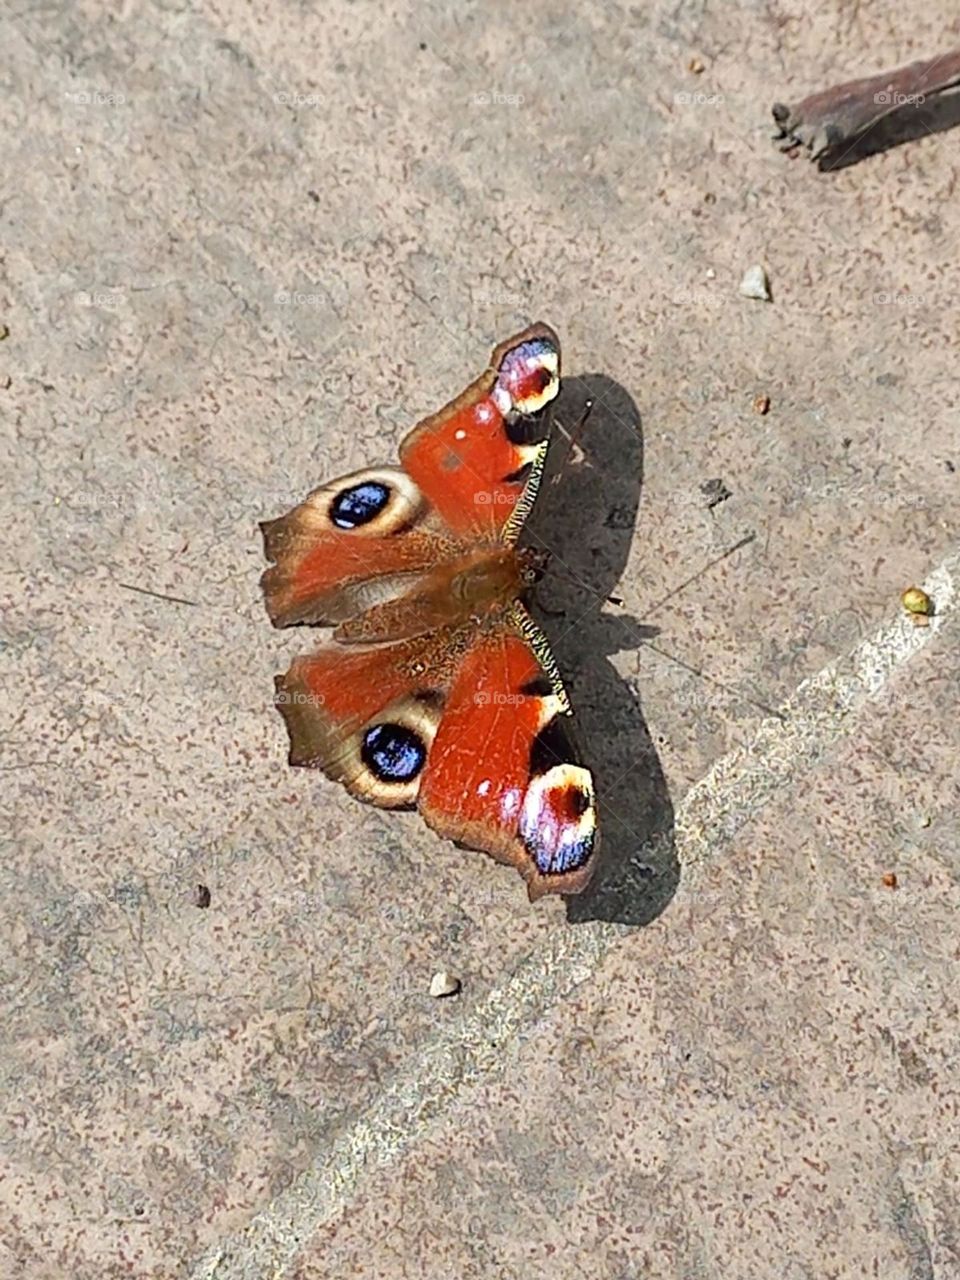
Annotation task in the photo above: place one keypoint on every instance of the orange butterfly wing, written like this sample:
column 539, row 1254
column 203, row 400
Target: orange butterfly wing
column 478, row 460
column 475, row 736
column 455, row 708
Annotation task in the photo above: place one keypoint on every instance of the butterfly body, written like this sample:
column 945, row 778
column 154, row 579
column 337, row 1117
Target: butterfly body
column 438, row 689
column 476, row 586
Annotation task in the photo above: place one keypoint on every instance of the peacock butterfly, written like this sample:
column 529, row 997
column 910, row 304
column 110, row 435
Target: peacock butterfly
column 438, row 689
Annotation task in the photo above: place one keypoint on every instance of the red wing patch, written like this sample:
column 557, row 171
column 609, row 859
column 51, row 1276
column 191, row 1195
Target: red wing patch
column 473, row 459
column 502, row 775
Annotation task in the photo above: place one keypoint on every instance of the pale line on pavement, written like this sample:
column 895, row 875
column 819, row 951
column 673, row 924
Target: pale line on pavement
column 821, row 711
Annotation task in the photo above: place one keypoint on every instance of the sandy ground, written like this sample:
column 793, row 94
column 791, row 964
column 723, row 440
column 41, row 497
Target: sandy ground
column 244, row 248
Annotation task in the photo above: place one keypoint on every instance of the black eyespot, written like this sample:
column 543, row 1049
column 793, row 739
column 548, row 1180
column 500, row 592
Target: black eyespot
column 359, row 504
column 528, row 428
column 538, row 687
column 552, row 746
column 392, row 752
column 520, row 476
column 580, row 802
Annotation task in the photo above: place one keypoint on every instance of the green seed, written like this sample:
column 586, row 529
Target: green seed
column 916, row 601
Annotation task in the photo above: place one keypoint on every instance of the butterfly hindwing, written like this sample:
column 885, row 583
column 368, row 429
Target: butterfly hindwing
column 470, row 724
column 503, row 774
column 367, row 715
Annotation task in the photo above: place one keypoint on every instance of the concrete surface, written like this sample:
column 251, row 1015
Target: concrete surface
column 244, row 248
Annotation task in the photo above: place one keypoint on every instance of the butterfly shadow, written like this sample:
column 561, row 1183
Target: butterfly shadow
column 585, row 517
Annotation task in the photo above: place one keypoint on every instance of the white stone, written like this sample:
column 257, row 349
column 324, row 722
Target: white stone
column 444, row 984
column 755, row 283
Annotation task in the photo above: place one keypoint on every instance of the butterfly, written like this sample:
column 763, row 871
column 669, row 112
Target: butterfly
column 438, row 690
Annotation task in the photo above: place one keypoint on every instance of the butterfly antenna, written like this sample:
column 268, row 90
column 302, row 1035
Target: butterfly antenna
column 565, row 571
column 697, row 671
column 664, row 653
column 694, row 577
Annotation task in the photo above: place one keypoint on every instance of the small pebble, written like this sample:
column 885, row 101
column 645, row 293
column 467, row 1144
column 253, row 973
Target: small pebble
column 761, row 404
column 201, row 897
column 924, row 820
column 756, row 283
column 890, row 879
column 915, row 600
column 697, row 66
column 444, row 984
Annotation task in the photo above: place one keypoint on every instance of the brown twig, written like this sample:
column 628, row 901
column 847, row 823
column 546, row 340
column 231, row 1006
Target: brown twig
column 157, row 595
column 894, row 107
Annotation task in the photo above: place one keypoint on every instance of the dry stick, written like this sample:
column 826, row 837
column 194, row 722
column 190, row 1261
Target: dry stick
column 573, row 437
column 157, row 595
column 825, row 122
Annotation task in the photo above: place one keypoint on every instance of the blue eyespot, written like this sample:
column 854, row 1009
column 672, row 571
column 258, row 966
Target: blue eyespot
column 359, row 504
column 566, row 857
column 393, row 753
column 534, row 351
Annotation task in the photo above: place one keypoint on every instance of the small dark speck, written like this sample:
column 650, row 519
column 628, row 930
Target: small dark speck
column 4, row 332
column 846, row 442
column 423, row 46
column 139, row 1210
column 620, row 517
column 314, row 196
column 202, row 896
column 715, row 492
column 950, row 467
